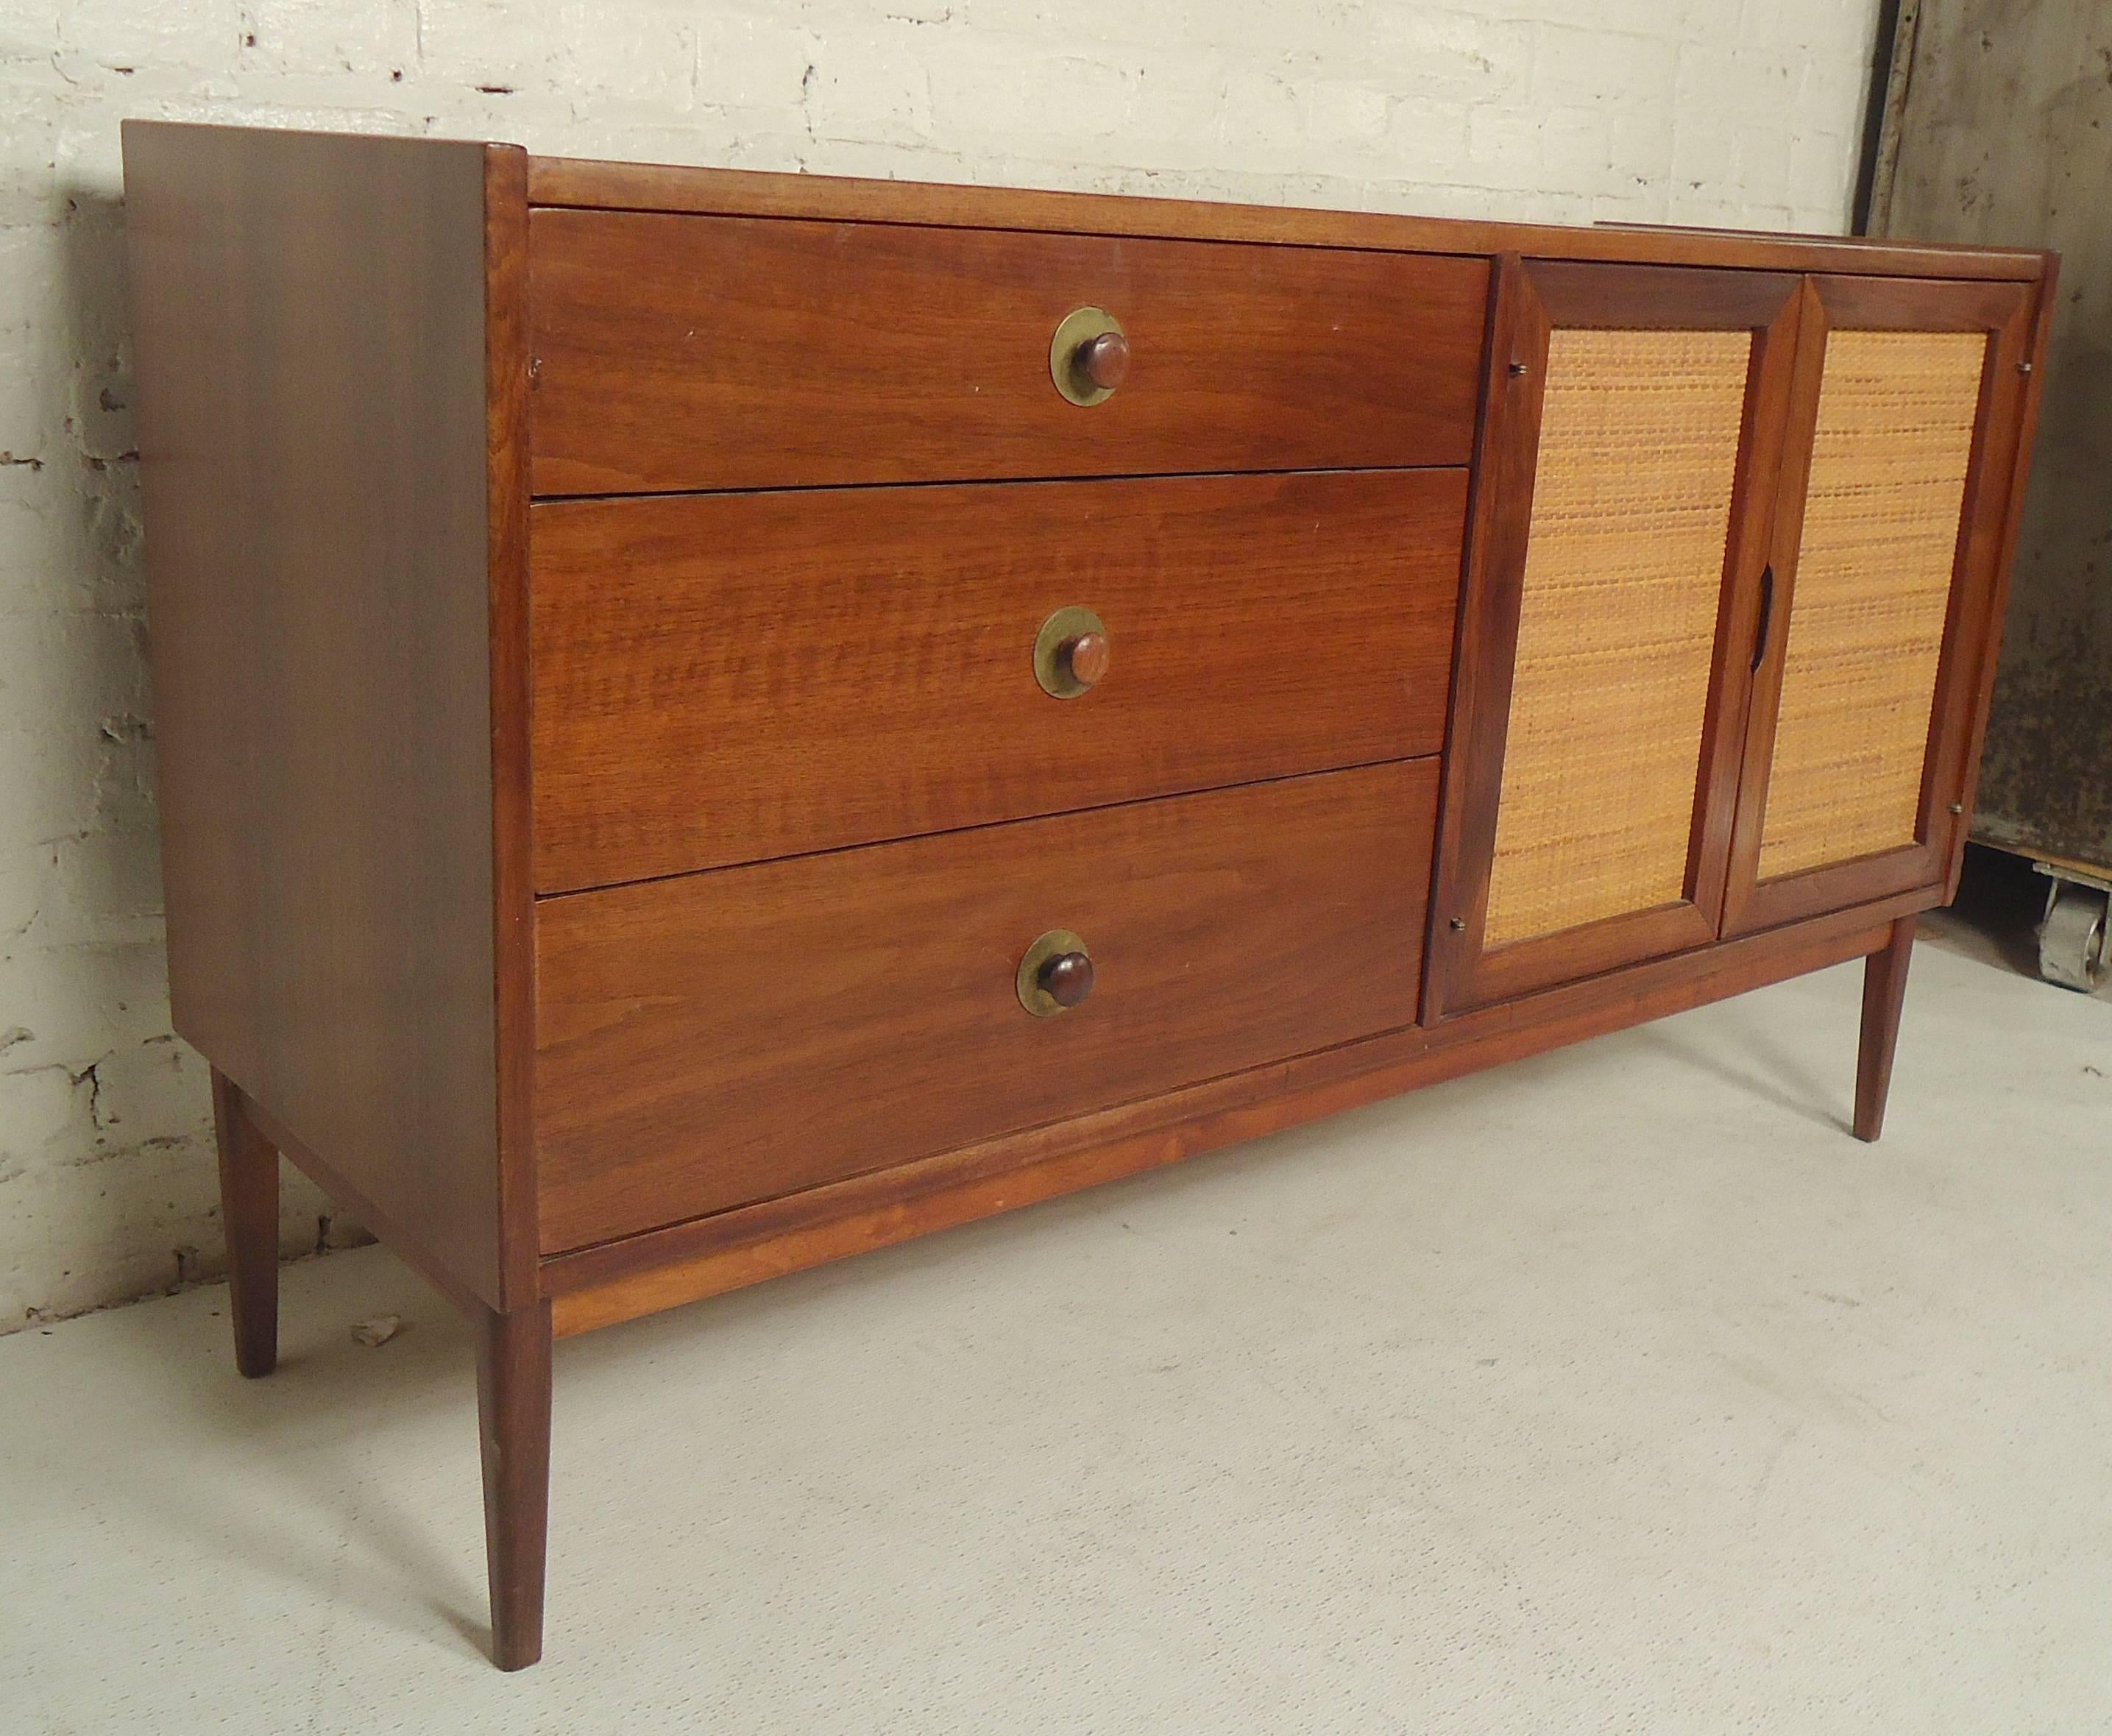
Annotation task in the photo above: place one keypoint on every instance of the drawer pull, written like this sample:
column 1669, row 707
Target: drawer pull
column 1085, row 657
column 1067, row 978
column 1089, row 356
column 1055, row 975
column 1071, row 653
column 1102, row 361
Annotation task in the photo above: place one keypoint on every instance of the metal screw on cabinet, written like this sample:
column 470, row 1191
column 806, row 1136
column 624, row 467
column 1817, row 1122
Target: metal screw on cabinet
column 1958, row 807
column 2024, row 367
column 1459, row 924
column 1517, row 370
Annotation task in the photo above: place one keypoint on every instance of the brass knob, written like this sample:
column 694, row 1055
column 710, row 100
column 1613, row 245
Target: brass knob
column 1055, row 974
column 1071, row 653
column 1089, row 356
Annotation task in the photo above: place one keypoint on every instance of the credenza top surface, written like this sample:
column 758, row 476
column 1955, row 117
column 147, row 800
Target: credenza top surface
column 581, row 182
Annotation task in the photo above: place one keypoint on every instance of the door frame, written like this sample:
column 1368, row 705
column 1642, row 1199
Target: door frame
column 1531, row 298
column 2004, row 311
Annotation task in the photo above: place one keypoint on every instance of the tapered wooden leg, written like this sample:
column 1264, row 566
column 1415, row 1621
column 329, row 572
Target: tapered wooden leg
column 513, row 1410
column 1884, row 988
column 249, row 1214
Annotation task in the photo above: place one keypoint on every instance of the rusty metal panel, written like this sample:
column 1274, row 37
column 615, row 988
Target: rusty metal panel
column 1998, row 127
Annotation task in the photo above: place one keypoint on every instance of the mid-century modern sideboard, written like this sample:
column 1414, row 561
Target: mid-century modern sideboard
column 708, row 722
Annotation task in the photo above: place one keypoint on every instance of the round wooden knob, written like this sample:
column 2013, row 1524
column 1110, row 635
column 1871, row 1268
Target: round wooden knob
column 1084, row 658
column 1102, row 361
column 1067, row 978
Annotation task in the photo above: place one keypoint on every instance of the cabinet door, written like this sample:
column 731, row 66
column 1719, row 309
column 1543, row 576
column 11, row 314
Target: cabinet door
column 1903, row 423
column 1628, row 460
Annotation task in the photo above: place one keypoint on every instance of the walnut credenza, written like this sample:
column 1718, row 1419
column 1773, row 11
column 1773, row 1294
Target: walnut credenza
column 708, row 722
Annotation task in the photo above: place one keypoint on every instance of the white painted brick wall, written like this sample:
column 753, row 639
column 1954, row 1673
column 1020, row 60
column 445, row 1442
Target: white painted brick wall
column 1732, row 112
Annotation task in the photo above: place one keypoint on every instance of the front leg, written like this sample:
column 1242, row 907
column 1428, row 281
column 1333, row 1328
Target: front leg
column 513, row 1415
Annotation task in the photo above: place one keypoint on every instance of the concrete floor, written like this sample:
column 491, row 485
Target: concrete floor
column 1619, row 1390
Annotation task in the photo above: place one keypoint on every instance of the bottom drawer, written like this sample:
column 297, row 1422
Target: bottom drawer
column 723, row 1037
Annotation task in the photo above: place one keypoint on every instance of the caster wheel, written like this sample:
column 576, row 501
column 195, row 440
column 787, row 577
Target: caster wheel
column 2072, row 949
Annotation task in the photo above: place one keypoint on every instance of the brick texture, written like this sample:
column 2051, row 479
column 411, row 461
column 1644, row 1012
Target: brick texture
column 1730, row 112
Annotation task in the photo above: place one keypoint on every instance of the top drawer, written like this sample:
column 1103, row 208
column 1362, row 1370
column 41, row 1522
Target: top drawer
column 732, row 352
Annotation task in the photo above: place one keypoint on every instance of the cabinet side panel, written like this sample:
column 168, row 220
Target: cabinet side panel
column 1894, row 441
column 309, row 314
column 1616, row 627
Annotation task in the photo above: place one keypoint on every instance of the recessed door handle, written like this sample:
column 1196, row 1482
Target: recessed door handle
column 1767, row 617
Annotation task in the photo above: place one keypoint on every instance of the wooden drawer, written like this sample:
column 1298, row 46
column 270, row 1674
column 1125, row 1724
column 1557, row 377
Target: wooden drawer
column 725, row 1037
column 708, row 353
column 725, row 678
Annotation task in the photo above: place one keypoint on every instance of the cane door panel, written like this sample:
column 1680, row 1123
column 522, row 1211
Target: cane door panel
column 1629, row 457
column 1903, row 422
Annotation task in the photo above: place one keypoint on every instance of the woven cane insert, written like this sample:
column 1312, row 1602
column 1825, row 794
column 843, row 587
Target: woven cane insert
column 1881, row 520
column 1624, row 570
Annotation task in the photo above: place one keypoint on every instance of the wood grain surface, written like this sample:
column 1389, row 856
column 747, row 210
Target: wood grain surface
column 2045, row 306
column 719, row 1038
column 512, row 792
column 309, row 320
column 628, row 186
column 729, row 677
column 706, row 352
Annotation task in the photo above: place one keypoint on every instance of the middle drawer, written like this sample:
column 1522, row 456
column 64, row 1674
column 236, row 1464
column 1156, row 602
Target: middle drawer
column 733, row 678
